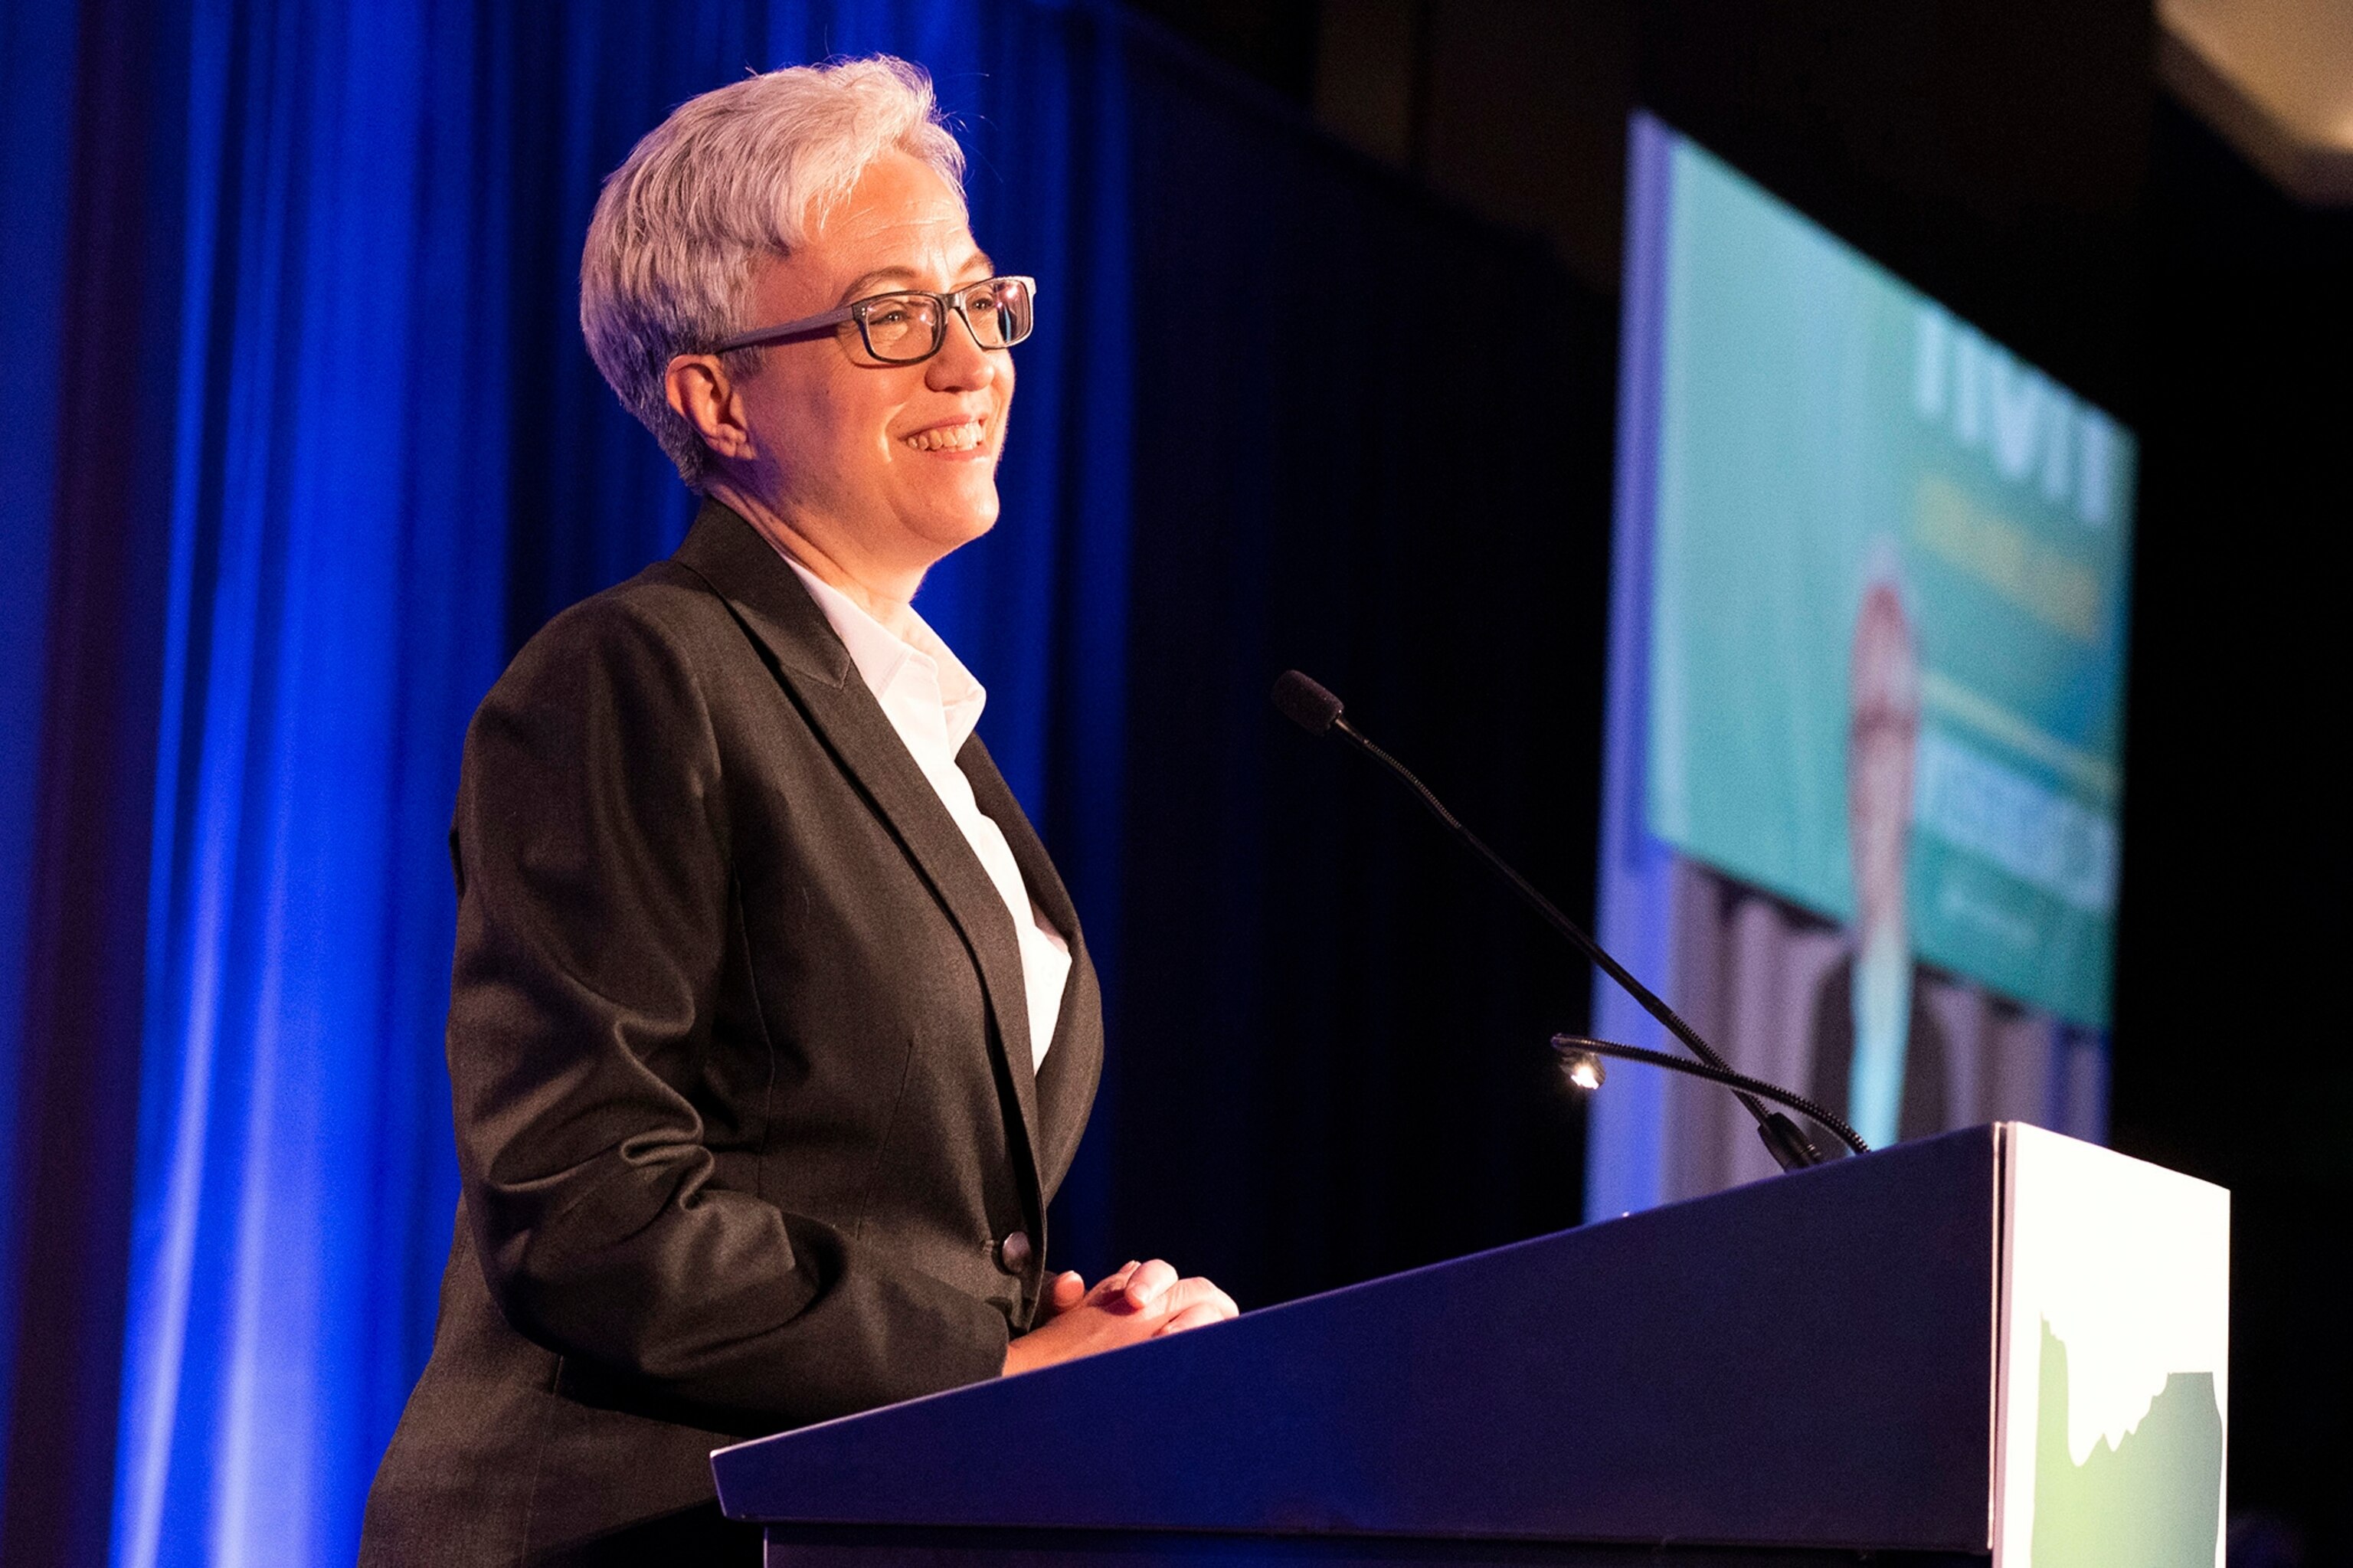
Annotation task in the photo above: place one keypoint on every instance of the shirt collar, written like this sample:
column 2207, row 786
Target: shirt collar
column 882, row 656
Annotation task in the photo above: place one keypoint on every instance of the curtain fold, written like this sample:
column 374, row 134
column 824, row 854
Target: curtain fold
column 324, row 635
column 36, row 70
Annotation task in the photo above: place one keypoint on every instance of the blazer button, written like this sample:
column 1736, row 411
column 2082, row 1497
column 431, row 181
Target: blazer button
column 1013, row 1252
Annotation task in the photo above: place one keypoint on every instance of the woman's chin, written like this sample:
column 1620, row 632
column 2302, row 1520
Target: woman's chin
column 959, row 517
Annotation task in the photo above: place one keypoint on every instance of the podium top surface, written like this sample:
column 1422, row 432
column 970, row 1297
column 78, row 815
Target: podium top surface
column 1807, row 1361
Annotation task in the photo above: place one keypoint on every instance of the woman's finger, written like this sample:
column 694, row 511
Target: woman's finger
column 1199, row 1316
column 1111, row 1285
column 1063, row 1292
column 1149, row 1283
column 1188, row 1294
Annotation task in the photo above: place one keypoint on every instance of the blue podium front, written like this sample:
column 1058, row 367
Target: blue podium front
column 1799, row 1371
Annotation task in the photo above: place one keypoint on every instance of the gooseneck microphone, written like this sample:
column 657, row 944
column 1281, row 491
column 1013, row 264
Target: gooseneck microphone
column 1577, row 1053
column 1318, row 712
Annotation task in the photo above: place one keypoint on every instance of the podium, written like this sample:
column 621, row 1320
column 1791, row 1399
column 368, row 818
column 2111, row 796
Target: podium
column 1998, row 1343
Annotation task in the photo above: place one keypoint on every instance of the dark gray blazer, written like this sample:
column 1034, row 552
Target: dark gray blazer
column 741, row 1067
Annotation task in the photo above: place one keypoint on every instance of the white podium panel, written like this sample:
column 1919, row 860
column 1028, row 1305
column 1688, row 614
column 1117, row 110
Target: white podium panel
column 2112, row 1387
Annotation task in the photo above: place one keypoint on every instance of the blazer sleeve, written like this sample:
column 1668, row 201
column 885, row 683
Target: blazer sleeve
column 591, row 843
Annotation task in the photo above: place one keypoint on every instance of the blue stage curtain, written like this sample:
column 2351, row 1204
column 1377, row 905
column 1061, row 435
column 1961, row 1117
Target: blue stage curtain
column 358, row 454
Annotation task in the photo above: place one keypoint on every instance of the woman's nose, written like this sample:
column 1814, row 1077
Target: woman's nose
column 961, row 363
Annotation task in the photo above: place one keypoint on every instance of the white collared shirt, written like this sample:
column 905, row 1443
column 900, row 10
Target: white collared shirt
column 933, row 702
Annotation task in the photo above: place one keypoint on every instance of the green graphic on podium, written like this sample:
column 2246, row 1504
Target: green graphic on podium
column 2152, row 1501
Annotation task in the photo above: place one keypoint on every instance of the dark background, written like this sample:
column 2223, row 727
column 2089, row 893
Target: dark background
column 2017, row 159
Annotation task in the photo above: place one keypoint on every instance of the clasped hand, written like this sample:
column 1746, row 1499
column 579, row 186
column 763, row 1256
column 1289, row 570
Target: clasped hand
column 1141, row 1302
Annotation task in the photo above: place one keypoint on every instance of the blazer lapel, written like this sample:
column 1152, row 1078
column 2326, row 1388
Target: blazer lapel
column 816, row 671
column 1073, row 1069
column 994, row 797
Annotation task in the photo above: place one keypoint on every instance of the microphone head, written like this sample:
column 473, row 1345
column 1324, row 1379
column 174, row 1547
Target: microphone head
column 1583, row 1069
column 1304, row 703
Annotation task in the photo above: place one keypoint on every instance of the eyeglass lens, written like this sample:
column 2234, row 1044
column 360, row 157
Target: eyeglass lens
column 905, row 327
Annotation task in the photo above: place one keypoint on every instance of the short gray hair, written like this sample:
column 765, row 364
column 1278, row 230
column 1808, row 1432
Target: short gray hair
column 737, row 173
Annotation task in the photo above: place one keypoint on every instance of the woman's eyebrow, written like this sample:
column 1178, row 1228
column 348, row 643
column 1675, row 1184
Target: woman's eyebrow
column 907, row 277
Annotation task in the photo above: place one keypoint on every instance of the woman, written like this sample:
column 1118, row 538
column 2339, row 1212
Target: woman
column 772, row 1029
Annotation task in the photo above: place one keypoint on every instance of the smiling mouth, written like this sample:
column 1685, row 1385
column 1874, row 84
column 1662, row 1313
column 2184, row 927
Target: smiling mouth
column 963, row 437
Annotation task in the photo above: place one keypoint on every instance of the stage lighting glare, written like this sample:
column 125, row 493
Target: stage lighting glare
column 1582, row 1068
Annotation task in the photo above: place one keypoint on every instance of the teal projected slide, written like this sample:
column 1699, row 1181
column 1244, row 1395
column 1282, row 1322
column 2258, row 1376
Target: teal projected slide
column 1870, row 519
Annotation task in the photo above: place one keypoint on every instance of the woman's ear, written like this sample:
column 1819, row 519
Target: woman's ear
column 702, row 394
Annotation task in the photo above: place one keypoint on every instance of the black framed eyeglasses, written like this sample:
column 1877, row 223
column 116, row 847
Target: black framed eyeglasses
column 907, row 327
